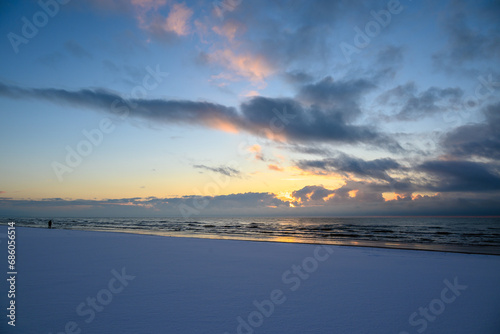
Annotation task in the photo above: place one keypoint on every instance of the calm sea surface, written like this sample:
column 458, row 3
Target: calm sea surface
column 480, row 235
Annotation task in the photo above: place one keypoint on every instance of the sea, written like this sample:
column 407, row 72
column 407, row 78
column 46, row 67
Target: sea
column 455, row 234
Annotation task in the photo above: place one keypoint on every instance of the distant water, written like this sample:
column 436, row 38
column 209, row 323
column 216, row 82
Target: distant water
column 426, row 233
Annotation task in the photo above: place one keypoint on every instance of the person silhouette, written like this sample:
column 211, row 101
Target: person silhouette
column 50, row 223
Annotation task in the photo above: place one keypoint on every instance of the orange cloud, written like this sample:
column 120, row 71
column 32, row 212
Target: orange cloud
column 257, row 150
column 223, row 126
column 252, row 67
column 144, row 8
column 327, row 198
column 389, row 196
column 415, row 196
column 273, row 135
column 251, row 93
column 149, row 18
column 177, row 19
column 275, row 167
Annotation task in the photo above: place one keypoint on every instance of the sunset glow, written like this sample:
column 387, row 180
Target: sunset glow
column 274, row 108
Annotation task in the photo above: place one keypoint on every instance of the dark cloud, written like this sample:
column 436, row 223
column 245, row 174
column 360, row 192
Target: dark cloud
column 476, row 140
column 313, row 193
column 465, row 41
column 390, row 55
column 340, row 99
column 308, row 124
column 76, row 50
column 165, row 111
column 412, row 106
column 273, row 118
column 224, row 170
column 252, row 200
column 461, row 176
column 344, row 164
column 301, row 34
column 298, row 77
column 136, row 206
column 354, row 198
column 135, row 74
column 289, row 46
column 111, row 66
column 309, row 149
column 352, row 193
column 365, row 198
column 52, row 59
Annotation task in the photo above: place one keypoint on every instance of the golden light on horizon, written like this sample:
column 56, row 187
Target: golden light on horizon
column 329, row 197
column 285, row 196
column 389, row 196
column 353, row 193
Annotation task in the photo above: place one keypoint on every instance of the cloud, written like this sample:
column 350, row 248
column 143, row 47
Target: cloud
column 476, row 140
column 298, row 77
column 254, row 200
column 309, row 149
column 279, row 119
column 287, row 119
column 339, row 98
column 151, row 206
column 110, row 6
column 150, row 17
column 461, row 176
column 412, row 105
column 224, row 170
column 468, row 41
column 229, row 29
column 275, row 168
column 364, row 199
column 111, row 66
column 164, row 111
column 144, row 9
column 343, row 164
column 390, row 55
column 301, row 38
column 246, row 65
column 312, row 193
column 429, row 176
column 52, row 60
column 251, row 93
column 177, row 19
column 257, row 151
column 76, row 50
column 351, row 195
column 353, row 198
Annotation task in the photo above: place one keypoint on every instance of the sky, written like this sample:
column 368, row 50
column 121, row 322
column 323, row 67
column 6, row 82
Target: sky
column 237, row 107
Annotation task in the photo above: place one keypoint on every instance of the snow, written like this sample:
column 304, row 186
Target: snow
column 98, row 282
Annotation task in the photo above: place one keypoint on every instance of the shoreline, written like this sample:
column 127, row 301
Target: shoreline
column 477, row 250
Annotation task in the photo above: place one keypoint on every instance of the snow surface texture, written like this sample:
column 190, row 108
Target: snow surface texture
column 97, row 282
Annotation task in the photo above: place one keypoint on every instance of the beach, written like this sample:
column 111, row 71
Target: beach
column 104, row 282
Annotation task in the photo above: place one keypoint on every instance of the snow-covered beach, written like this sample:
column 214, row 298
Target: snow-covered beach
column 97, row 282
